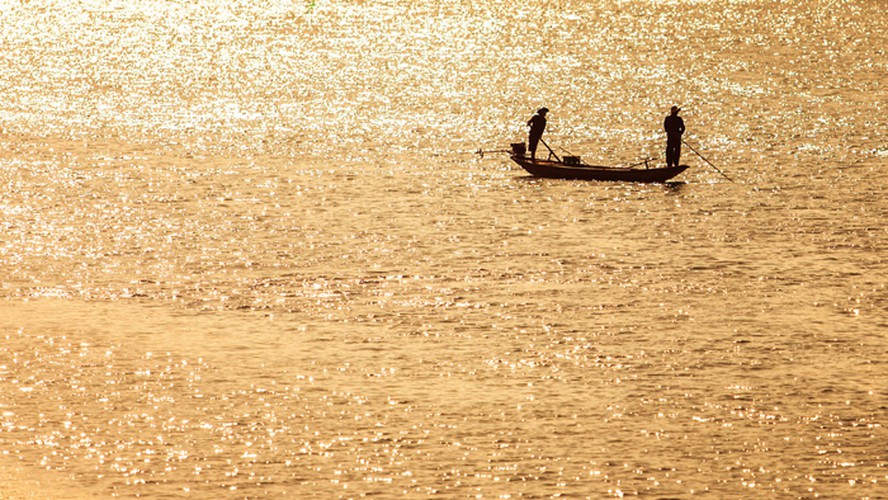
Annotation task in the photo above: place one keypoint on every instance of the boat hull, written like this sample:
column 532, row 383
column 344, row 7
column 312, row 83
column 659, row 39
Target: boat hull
column 557, row 170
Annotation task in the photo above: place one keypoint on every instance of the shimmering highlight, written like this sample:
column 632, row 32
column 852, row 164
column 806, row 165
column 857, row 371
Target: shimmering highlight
column 247, row 250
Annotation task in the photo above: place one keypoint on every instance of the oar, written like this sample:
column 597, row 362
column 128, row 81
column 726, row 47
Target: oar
column 550, row 150
column 645, row 163
column 707, row 161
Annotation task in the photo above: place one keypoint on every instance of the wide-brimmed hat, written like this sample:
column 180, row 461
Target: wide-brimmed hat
column 542, row 111
column 675, row 109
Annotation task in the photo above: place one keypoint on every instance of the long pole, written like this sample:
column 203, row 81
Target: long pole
column 481, row 152
column 707, row 161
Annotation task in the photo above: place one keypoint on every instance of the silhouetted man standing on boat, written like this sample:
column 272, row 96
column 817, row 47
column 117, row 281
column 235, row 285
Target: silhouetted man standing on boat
column 537, row 125
column 674, row 126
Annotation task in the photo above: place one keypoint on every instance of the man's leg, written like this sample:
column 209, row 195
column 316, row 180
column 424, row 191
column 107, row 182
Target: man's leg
column 672, row 153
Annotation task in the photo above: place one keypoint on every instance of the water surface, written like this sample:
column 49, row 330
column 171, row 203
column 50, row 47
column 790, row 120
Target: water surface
column 247, row 250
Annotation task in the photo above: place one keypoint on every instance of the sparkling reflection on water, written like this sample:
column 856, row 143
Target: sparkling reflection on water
column 246, row 250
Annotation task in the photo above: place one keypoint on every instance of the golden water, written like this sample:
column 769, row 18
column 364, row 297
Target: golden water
column 246, row 249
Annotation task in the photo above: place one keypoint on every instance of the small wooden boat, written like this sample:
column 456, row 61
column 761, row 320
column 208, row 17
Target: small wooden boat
column 572, row 168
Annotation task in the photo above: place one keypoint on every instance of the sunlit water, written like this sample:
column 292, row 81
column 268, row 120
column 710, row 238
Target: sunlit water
column 247, row 250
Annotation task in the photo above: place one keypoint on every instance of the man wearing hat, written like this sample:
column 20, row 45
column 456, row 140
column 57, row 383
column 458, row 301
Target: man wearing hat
column 537, row 124
column 674, row 126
